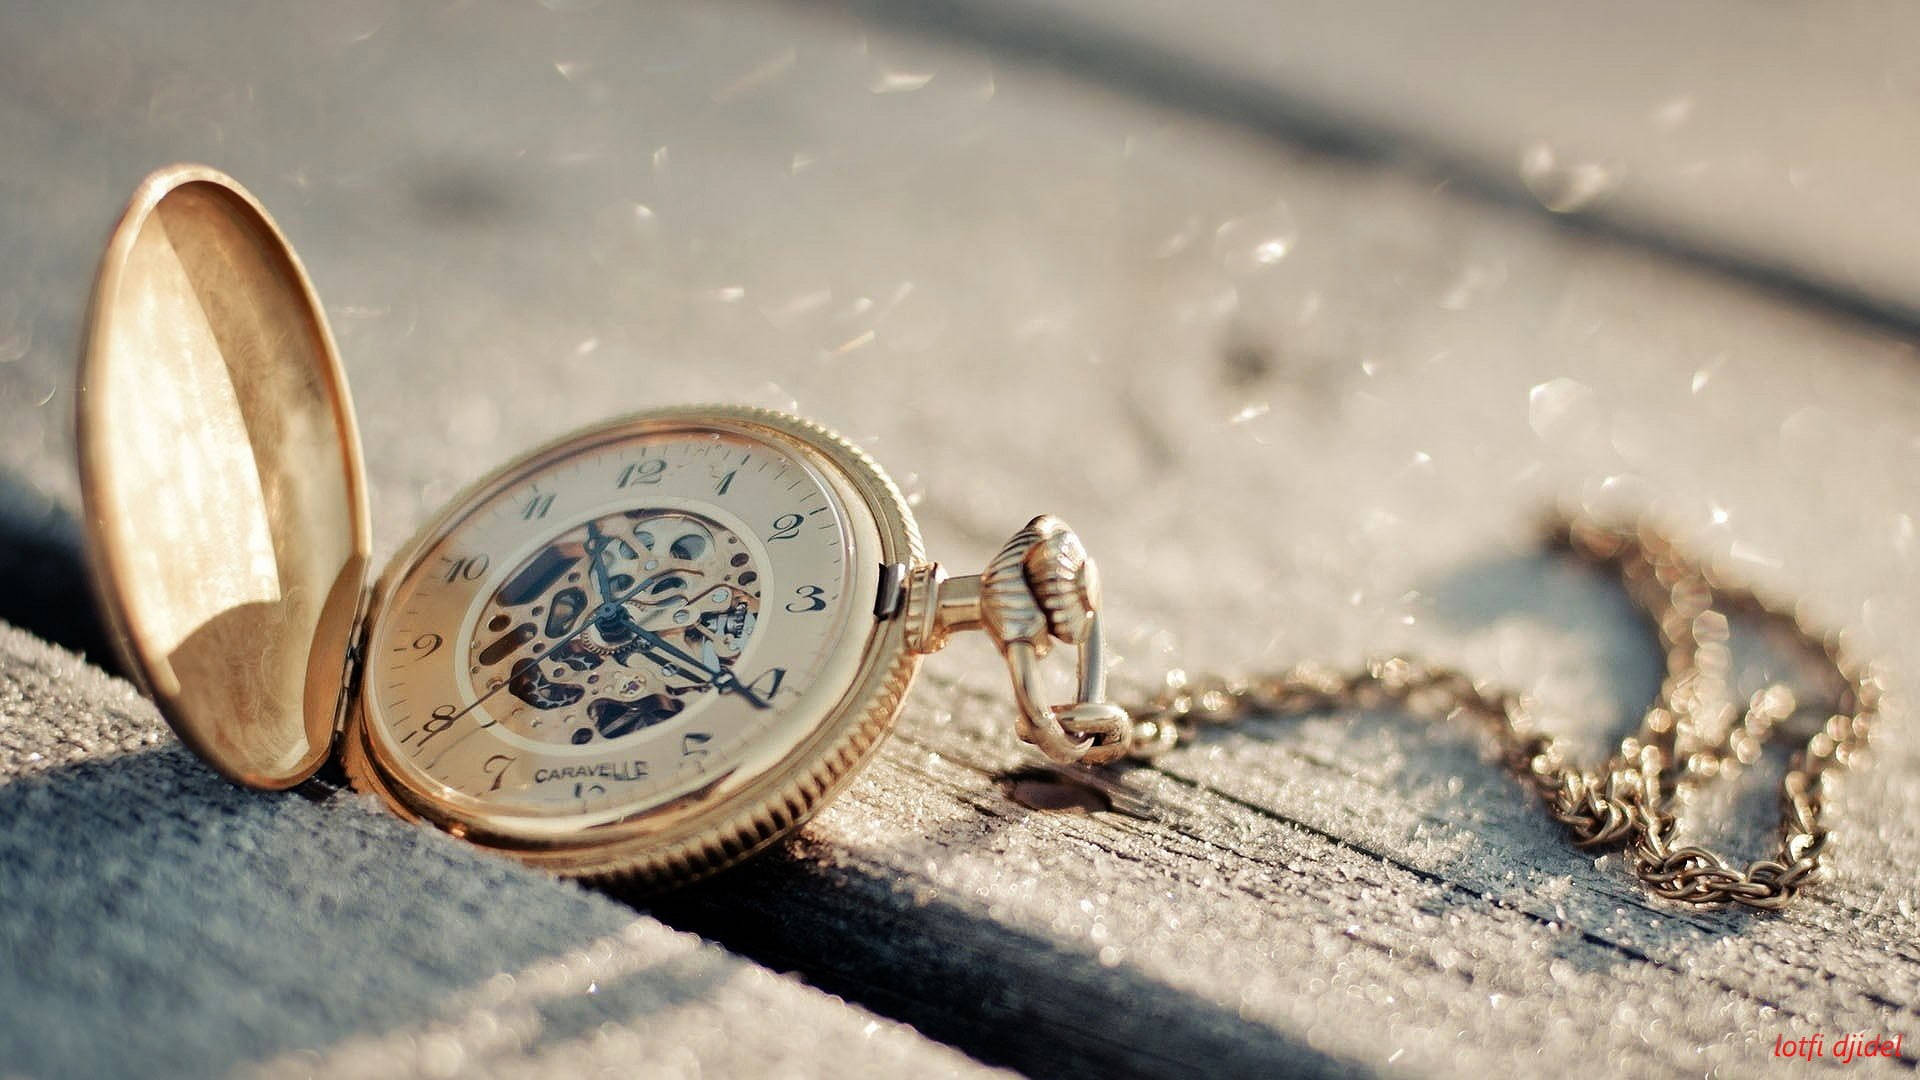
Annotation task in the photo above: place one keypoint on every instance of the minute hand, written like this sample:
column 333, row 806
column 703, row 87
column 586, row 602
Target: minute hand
column 722, row 680
column 611, row 613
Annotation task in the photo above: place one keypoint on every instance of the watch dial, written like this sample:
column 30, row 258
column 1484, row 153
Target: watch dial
column 616, row 625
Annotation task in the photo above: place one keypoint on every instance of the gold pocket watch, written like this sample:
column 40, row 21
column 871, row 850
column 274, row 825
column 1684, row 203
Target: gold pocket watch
column 649, row 649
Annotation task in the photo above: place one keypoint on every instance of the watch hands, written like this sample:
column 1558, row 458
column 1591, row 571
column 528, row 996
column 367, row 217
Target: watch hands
column 555, row 647
column 613, row 609
column 651, row 645
column 597, row 545
column 564, row 639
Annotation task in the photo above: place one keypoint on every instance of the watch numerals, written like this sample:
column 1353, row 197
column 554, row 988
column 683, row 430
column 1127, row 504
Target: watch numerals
column 464, row 568
column 442, row 719
column 785, row 527
column 423, row 646
column 768, row 684
column 693, row 751
column 642, row 472
column 811, row 598
column 537, row 506
column 496, row 767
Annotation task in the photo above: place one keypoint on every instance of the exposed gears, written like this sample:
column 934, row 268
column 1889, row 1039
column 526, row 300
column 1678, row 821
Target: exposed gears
column 694, row 586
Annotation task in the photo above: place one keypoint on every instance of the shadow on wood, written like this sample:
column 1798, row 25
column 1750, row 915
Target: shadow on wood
column 1003, row 996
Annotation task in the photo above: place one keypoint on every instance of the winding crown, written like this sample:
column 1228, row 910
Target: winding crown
column 1041, row 586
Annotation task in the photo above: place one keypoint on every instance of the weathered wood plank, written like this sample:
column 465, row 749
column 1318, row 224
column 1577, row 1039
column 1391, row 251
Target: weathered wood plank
column 1568, row 108
column 1249, row 927
column 160, row 922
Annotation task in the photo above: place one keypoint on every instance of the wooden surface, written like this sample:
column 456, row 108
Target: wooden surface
column 1315, row 404
column 162, row 922
column 1766, row 144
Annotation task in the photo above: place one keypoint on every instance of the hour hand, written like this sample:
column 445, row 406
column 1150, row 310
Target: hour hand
column 596, row 545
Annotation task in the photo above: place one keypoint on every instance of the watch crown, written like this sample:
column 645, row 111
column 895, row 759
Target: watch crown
column 1041, row 586
column 1039, row 589
column 1063, row 579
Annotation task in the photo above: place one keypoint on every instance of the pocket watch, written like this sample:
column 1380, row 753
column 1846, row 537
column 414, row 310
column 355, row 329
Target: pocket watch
column 646, row 650
column 657, row 646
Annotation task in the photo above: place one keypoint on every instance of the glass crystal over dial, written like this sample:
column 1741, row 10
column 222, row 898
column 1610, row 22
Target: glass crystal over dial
column 618, row 624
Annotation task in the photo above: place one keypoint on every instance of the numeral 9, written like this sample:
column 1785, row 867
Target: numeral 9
column 423, row 646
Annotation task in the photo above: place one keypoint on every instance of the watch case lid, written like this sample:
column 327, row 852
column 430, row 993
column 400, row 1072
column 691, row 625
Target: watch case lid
column 224, row 493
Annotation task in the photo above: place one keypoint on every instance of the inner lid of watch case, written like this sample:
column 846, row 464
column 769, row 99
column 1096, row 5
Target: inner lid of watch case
column 220, row 467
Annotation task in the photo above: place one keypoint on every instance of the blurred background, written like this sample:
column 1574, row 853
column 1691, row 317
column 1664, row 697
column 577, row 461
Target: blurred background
column 1313, row 307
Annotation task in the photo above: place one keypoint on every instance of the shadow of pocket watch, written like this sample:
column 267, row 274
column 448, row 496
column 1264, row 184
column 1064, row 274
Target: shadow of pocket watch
column 649, row 649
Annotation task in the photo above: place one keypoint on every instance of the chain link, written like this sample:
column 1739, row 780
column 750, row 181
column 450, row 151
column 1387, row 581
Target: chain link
column 1693, row 732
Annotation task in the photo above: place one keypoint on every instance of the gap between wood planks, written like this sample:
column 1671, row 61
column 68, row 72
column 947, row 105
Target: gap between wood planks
column 881, row 928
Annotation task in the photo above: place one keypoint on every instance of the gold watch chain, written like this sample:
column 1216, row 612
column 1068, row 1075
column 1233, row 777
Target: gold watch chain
column 1692, row 733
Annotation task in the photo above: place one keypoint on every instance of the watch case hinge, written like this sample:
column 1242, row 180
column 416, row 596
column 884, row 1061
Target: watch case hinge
column 331, row 777
column 893, row 591
column 356, row 662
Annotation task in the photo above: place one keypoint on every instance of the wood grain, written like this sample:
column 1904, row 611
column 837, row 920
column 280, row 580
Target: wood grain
column 1253, row 903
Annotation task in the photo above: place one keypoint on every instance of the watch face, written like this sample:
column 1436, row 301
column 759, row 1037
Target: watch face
column 626, row 622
